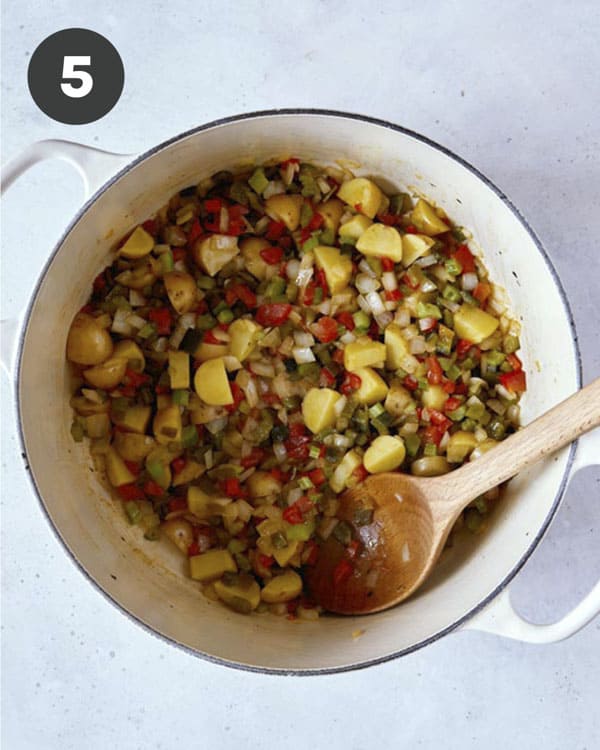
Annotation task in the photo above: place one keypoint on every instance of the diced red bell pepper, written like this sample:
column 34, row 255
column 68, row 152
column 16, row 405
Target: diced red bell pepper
column 434, row 371
column 433, row 434
column 161, row 389
column 291, row 160
column 179, row 253
column 150, row 226
column 210, row 338
column 238, row 396
column 448, row 386
column 514, row 362
column 316, row 221
column 277, row 474
column 439, row 420
column 272, row 255
column 460, row 388
column 273, row 314
column 410, row 229
column 462, row 347
column 133, row 467
column 99, row 282
column 270, row 398
column 373, row 331
column 253, row 458
column 338, row 356
column 195, row 231
column 351, row 382
column 393, row 295
column 193, row 549
column 482, row 292
column 292, row 515
column 411, row 283
column 452, row 403
column 317, row 477
column 464, row 256
column 410, row 383
column 309, row 293
column 321, row 280
column 232, row 488
column 274, row 230
column 325, row 329
column 389, row 219
column 304, row 504
column 130, row 492
column 358, row 207
column 360, row 473
column 178, row 464
column 161, row 317
column 153, row 489
column 387, row 264
column 266, row 560
column 313, row 552
column 136, row 379
column 514, row 381
column 345, row 319
column 213, row 205
column 342, row 572
column 326, row 378
column 352, row 549
column 177, row 503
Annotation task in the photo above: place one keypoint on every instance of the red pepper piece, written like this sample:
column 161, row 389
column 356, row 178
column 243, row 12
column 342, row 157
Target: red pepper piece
column 434, row 371
column 266, row 561
column 136, row 379
column 352, row 549
column 439, row 420
column 464, row 256
column 130, row 492
column 316, row 222
column 338, row 356
column 292, row 515
column 321, row 280
column 482, row 292
column 178, row 464
column 342, row 572
column 99, row 282
column 309, row 293
column 304, row 504
column 387, row 264
column 514, row 381
column 161, row 317
column 345, row 319
column 272, row 255
column 238, row 397
column 213, row 205
column 253, row 458
column 452, row 403
column 210, row 338
column 274, row 230
column 389, row 219
column 193, row 549
column 326, row 378
column 393, row 295
column 177, row 503
column 133, row 467
column 448, row 386
column 433, row 434
column 410, row 229
column 360, row 473
column 150, row 226
column 514, row 362
column 351, row 382
column 195, row 231
column 313, row 552
column 232, row 488
column 317, row 477
column 325, row 329
column 410, row 383
column 153, row 489
column 462, row 347
column 273, row 314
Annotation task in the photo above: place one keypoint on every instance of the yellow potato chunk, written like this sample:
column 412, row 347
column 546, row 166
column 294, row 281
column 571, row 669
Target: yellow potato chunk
column 179, row 369
column 434, row 397
column 204, row 352
column 364, row 353
column 285, row 208
column 203, row 504
column 362, row 194
column 459, row 446
column 167, row 425
column 132, row 446
column 211, row 383
column 381, row 241
column 251, row 248
column 87, row 342
column 97, row 425
column 414, row 246
column 396, row 346
column 131, row 352
column 282, row 588
column 116, row 470
column 354, row 228
column 351, row 461
column 138, row 244
column 133, row 419
column 215, row 252
column 337, row 267
column 262, row 484
column 182, row 290
column 318, row 408
column 385, row 453
column 331, row 211
column 425, row 219
column 108, row 375
column 144, row 273
column 482, row 448
column 373, row 387
column 243, row 337
column 192, row 470
column 241, row 595
column 473, row 324
column 398, row 399
column 211, row 565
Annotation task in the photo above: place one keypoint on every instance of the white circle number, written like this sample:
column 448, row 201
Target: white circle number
column 86, row 82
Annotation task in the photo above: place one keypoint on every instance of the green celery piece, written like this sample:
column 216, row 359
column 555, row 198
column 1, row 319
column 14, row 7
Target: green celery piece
column 258, row 181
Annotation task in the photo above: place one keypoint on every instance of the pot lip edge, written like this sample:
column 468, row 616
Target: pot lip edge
column 231, row 119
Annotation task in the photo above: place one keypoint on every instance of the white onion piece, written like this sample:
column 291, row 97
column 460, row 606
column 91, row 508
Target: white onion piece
column 366, row 268
column 480, row 434
column 92, row 395
column 177, row 337
column 303, row 338
column 340, row 405
column 326, row 528
column 363, row 304
column 513, row 413
column 179, row 265
column 452, row 306
column 366, row 284
column 280, row 452
column 428, row 286
column 188, row 320
column 505, row 393
column 389, row 281
column 325, row 307
column 120, row 324
column 426, row 324
column 223, row 219
column 209, row 459
column 232, row 364
column 495, row 405
column 136, row 321
column 292, row 268
column 348, row 338
column 250, row 392
column 341, row 441
column 402, row 317
column 264, row 369
column 444, row 440
column 216, row 425
column 469, row 281
column 375, row 303
column 496, row 306
column 221, row 335
column 275, row 187
column 294, row 495
column 417, row 345
column 384, row 319
column 303, row 355
column 136, row 299
column 426, row 261
column 161, row 344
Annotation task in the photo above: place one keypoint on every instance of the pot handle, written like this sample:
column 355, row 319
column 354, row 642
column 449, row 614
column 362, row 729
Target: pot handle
column 95, row 167
column 500, row 618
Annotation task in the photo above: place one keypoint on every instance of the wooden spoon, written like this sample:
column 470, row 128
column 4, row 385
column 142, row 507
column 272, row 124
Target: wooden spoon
column 412, row 516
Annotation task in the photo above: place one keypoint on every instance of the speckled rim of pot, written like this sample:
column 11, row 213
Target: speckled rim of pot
column 319, row 113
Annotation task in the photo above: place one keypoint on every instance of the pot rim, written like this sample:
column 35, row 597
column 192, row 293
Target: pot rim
column 318, row 113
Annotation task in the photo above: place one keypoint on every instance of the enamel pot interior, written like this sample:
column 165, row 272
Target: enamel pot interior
column 146, row 579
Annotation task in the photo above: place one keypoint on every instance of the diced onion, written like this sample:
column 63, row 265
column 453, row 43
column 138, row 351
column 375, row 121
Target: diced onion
column 480, row 434
column 428, row 286
column 341, row 441
column 188, row 320
column 340, row 405
column 496, row 406
column 363, row 304
column 426, row 261
column 303, row 338
column 250, row 391
column 216, row 425
column 136, row 299
column 326, row 528
column 120, row 323
column 417, row 345
column 402, row 317
column 177, row 337
column 179, row 265
column 294, row 495
column 348, row 338
column 92, row 395
column 384, row 319
column 209, row 459
column 221, row 335
column 513, row 412
column 366, row 268
column 426, row 324
column 469, row 281
column 452, row 306
column 232, row 364
column 275, row 187
column 389, row 281
column 161, row 344
column 280, row 452
column 375, row 303
column 292, row 268
column 264, row 369
column 303, row 355
column 366, row 284
column 505, row 393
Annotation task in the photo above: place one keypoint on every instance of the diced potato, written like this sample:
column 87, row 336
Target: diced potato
column 331, row 211
column 398, row 399
column 243, row 595
column 84, row 407
column 158, row 465
column 282, row 588
column 251, row 248
column 351, row 461
column 318, row 408
column 362, row 194
column 285, row 208
column 215, row 252
column 132, row 446
column 182, row 291
column 211, row 383
column 211, row 565
column 179, row 369
column 202, row 413
column 108, row 375
column 87, row 342
column 263, row 484
column 482, row 448
column 131, row 352
column 434, row 397
column 415, row 246
column 133, row 419
column 138, row 244
column 430, row 466
column 192, row 470
column 144, row 273
column 203, row 504
column 354, row 228
column 425, row 219
column 97, row 425
column 167, row 425
column 163, row 400
column 286, row 555
column 243, row 337
column 396, row 346
column 116, row 470
column 204, row 352
column 473, row 324
column 373, row 387
column 337, row 267
column 364, row 353
column 459, row 446
column 385, row 453
column 180, row 532
column 381, row 241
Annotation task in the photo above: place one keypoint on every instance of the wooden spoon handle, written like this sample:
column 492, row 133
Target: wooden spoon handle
column 556, row 428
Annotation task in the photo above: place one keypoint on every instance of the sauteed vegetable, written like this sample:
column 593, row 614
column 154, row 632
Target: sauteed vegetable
column 267, row 340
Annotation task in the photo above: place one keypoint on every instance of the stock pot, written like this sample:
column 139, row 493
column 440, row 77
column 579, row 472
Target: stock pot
column 469, row 588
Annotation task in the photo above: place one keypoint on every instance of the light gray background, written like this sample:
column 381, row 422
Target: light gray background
column 514, row 88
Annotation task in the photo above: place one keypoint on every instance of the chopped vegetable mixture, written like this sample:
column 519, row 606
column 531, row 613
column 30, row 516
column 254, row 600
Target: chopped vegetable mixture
column 267, row 340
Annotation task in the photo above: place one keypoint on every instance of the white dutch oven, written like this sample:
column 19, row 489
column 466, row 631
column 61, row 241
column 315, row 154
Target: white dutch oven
column 468, row 589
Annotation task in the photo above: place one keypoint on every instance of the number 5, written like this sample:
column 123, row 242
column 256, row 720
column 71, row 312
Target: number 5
column 86, row 80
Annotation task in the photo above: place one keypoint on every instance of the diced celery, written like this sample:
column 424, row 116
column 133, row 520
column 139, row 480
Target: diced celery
column 226, row 316
column 258, row 181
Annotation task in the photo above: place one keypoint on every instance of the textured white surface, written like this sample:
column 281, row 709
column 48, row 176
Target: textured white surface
column 514, row 89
